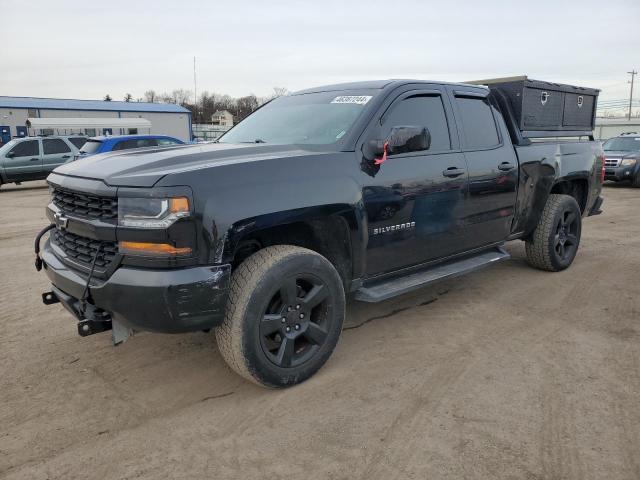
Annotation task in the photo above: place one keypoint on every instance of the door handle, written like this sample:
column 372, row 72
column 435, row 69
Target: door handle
column 34, row 159
column 453, row 172
column 506, row 166
column 65, row 156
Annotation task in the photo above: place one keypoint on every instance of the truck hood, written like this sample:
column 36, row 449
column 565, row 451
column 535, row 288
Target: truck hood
column 621, row 154
column 145, row 167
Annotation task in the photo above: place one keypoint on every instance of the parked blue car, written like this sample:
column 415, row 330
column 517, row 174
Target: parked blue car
column 114, row 143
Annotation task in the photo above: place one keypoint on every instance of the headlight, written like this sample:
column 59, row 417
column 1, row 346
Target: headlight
column 151, row 212
column 627, row 162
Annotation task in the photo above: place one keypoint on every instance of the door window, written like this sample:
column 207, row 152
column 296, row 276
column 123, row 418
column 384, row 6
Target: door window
column 420, row 111
column 478, row 123
column 51, row 146
column 26, row 149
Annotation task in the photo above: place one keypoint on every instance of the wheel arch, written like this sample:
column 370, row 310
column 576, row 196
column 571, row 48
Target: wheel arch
column 330, row 230
column 577, row 187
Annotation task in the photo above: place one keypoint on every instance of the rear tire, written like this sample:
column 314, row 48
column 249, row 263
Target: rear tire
column 284, row 316
column 555, row 241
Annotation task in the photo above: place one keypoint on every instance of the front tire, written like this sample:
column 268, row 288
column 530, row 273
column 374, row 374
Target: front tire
column 636, row 180
column 555, row 241
column 284, row 316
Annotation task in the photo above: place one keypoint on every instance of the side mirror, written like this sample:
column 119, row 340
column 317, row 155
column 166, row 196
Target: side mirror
column 408, row 139
column 401, row 140
column 10, row 155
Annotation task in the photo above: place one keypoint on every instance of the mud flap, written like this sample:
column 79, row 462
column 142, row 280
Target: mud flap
column 119, row 333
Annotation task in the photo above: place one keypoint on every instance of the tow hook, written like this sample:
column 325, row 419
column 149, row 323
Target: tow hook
column 89, row 327
column 49, row 298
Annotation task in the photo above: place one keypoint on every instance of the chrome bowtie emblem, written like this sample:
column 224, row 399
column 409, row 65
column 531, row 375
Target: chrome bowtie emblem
column 60, row 220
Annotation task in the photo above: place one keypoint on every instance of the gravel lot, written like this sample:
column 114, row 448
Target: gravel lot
column 508, row 373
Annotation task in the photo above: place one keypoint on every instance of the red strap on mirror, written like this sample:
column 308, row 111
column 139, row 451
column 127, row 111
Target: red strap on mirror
column 380, row 161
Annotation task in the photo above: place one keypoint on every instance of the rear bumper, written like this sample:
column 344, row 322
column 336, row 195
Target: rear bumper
column 166, row 301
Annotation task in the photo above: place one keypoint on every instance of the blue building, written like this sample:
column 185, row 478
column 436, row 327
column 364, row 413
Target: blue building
column 23, row 116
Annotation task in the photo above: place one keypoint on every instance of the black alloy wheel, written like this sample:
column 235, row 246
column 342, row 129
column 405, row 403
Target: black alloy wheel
column 566, row 239
column 296, row 322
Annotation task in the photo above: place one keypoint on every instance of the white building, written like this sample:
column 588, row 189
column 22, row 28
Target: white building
column 222, row 118
column 612, row 127
column 66, row 117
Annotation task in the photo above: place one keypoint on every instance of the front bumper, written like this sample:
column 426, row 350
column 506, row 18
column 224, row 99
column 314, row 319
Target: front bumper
column 618, row 174
column 165, row 301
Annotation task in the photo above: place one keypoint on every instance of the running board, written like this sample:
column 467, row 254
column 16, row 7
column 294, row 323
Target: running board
column 399, row 286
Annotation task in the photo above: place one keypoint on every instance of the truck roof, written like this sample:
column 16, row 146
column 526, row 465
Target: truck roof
column 379, row 85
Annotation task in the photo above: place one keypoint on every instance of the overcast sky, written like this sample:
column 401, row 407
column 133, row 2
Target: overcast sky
column 80, row 49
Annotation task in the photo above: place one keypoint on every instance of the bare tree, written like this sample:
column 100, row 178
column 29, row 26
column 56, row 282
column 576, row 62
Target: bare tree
column 164, row 97
column 181, row 96
column 245, row 106
column 128, row 97
column 107, row 98
column 150, row 96
column 280, row 92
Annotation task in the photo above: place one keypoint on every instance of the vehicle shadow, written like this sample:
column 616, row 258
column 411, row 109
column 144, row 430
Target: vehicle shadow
column 623, row 184
column 23, row 188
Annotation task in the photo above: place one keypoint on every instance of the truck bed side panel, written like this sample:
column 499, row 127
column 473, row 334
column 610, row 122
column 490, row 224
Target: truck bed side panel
column 543, row 165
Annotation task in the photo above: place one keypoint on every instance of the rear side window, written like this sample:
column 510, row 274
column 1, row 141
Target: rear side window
column 91, row 146
column 26, row 149
column 52, row 146
column 166, row 141
column 420, row 111
column 78, row 141
column 140, row 143
column 478, row 123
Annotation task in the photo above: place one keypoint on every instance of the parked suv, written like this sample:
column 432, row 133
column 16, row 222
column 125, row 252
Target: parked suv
column 622, row 158
column 101, row 144
column 33, row 158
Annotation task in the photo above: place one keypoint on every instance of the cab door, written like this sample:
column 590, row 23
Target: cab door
column 493, row 168
column 55, row 152
column 23, row 161
column 414, row 201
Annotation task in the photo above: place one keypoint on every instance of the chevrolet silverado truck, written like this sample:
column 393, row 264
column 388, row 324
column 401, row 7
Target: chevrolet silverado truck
column 368, row 190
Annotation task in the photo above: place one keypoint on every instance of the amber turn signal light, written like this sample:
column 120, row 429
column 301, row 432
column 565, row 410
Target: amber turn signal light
column 144, row 248
column 179, row 205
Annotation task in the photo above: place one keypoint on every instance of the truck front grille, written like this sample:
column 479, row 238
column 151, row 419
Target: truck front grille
column 611, row 162
column 83, row 249
column 85, row 205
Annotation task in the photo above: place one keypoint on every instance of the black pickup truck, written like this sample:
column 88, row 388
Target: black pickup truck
column 369, row 189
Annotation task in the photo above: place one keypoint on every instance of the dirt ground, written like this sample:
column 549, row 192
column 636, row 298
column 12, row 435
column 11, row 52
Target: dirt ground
column 509, row 373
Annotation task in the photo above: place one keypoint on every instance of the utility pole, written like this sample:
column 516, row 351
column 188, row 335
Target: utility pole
column 633, row 73
column 195, row 88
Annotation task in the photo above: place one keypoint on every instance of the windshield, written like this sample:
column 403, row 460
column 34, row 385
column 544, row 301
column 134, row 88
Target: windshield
column 311, row 119
column 9, row 145
column 623, row 144
column 91, row 146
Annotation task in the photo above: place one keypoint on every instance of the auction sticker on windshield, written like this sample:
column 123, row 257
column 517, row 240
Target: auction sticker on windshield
column 354, row 99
